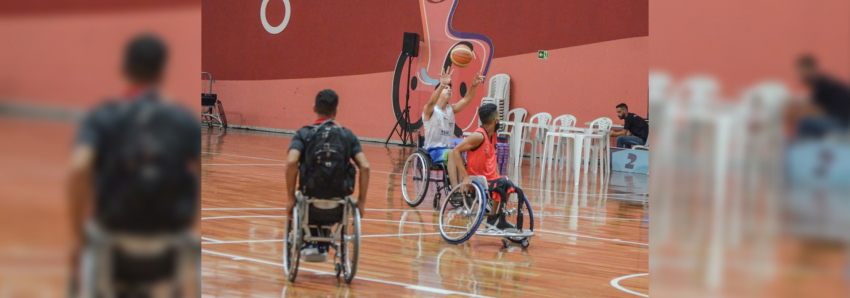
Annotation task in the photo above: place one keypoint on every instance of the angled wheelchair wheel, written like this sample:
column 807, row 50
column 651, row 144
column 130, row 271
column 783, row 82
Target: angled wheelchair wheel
column 415, row 177
column 89, row 274
column 518, row 212
column 461, row 215
column 351, row 243
column 292, row 244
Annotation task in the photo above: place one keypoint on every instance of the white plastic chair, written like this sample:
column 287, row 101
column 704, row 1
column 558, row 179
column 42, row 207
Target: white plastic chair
column 540, row 124
column 512, row 132
column 644, row 147
column 509, row 122
column 598, row 143
column 559, row 125
column 500, row 89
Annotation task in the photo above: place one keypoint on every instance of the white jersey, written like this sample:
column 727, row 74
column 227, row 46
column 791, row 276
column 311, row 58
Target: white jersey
column 439, row 130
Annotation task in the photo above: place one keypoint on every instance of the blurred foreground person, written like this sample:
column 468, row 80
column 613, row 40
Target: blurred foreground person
column 134, row 189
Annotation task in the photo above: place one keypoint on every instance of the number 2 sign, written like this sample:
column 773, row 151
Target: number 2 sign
column 632, row 161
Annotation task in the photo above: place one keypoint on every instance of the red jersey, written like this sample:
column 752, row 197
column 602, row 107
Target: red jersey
column 482, row 160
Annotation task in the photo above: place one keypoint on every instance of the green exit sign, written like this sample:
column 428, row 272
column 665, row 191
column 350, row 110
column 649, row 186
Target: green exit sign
column 541, row 54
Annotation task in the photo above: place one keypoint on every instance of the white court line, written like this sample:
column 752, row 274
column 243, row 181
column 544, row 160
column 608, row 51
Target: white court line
column 281, row 240
column 399, row 235
column 591, row 237
column 243, row 216
column 270, row 159
column 617, row 196
column 407, row 286
column 236, row 155
column 616, row 284
column 397, row 221
column 272, row 208
column 225, row 209
column 373, row 171
column 535, row 212
column 368, row 236
column 210, row 239
column 245, row 164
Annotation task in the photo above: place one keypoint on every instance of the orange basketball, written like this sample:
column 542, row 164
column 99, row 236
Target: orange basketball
column 461, row 56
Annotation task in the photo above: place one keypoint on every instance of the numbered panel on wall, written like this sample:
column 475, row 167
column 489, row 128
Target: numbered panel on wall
column 632, row 161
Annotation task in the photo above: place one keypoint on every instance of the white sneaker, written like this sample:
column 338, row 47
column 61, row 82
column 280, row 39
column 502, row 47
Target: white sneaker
column 311, row 254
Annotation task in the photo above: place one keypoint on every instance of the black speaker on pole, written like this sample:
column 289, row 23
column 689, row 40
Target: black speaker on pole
column 411, row 44
column 409, row 49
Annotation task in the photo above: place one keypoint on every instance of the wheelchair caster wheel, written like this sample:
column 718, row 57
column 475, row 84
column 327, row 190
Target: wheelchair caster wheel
column 338, row 267
column 505, row 243
column 525, row 243
column 437, row 201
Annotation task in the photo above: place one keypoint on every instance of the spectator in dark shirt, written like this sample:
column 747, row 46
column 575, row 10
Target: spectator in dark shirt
column 635, row 130
column 829, row 110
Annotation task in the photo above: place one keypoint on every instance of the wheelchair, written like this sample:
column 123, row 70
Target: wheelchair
column 123, row 265
column 416, row 175
column 462, row 214
column 344, row 238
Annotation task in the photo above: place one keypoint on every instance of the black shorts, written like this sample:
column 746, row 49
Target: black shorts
column 501, row 187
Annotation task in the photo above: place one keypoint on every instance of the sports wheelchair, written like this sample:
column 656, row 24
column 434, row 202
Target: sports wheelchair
column 116, row 264
column 344, row 237
column 462, row 214
column 416, row 176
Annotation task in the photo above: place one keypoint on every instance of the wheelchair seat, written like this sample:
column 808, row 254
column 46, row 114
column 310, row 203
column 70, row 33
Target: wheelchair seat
column 324, row 212
column 438, row 166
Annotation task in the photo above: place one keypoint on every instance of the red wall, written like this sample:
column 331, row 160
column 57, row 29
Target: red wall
column 744, row 42
column 597, row 59
column 72, row 58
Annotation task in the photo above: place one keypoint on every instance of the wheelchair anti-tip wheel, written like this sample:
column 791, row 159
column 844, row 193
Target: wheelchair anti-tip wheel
column 415, row 177
column 292, row 244
column 461, row 214
column 518, row 213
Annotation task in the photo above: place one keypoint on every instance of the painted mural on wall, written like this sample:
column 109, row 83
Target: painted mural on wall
column 436, row 44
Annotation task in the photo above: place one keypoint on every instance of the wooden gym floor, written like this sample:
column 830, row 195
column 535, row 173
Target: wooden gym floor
column 592, row 240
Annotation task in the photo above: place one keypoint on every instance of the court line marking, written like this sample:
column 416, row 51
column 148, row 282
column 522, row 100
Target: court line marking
column 413, row 222
column 281, row 240
column 591, row 237
column 615, row 196
column 270, row 159
column 616, row 284
column 536, row 213
column 374, row 171
column 398, row 221
column 210, row 239
column 406, row 286
column 245, row 164
column 236, row 155
column 244, row 216
column 276, row 208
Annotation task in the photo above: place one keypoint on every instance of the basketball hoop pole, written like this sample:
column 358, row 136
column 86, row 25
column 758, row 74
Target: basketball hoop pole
column 403, row 130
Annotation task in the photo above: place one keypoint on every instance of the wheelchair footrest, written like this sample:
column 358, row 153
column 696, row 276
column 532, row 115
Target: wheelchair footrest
column 494, row 232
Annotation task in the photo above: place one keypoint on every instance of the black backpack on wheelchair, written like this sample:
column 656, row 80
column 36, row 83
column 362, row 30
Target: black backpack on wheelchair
column 144, row 184
column 326, row 170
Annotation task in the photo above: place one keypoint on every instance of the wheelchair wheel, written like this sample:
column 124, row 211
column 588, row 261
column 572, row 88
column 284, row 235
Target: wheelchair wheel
column 89, row 274
column 461, row 215
column 351, row 243
column 292, row 244
column 415, row 177
column 518, row 212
